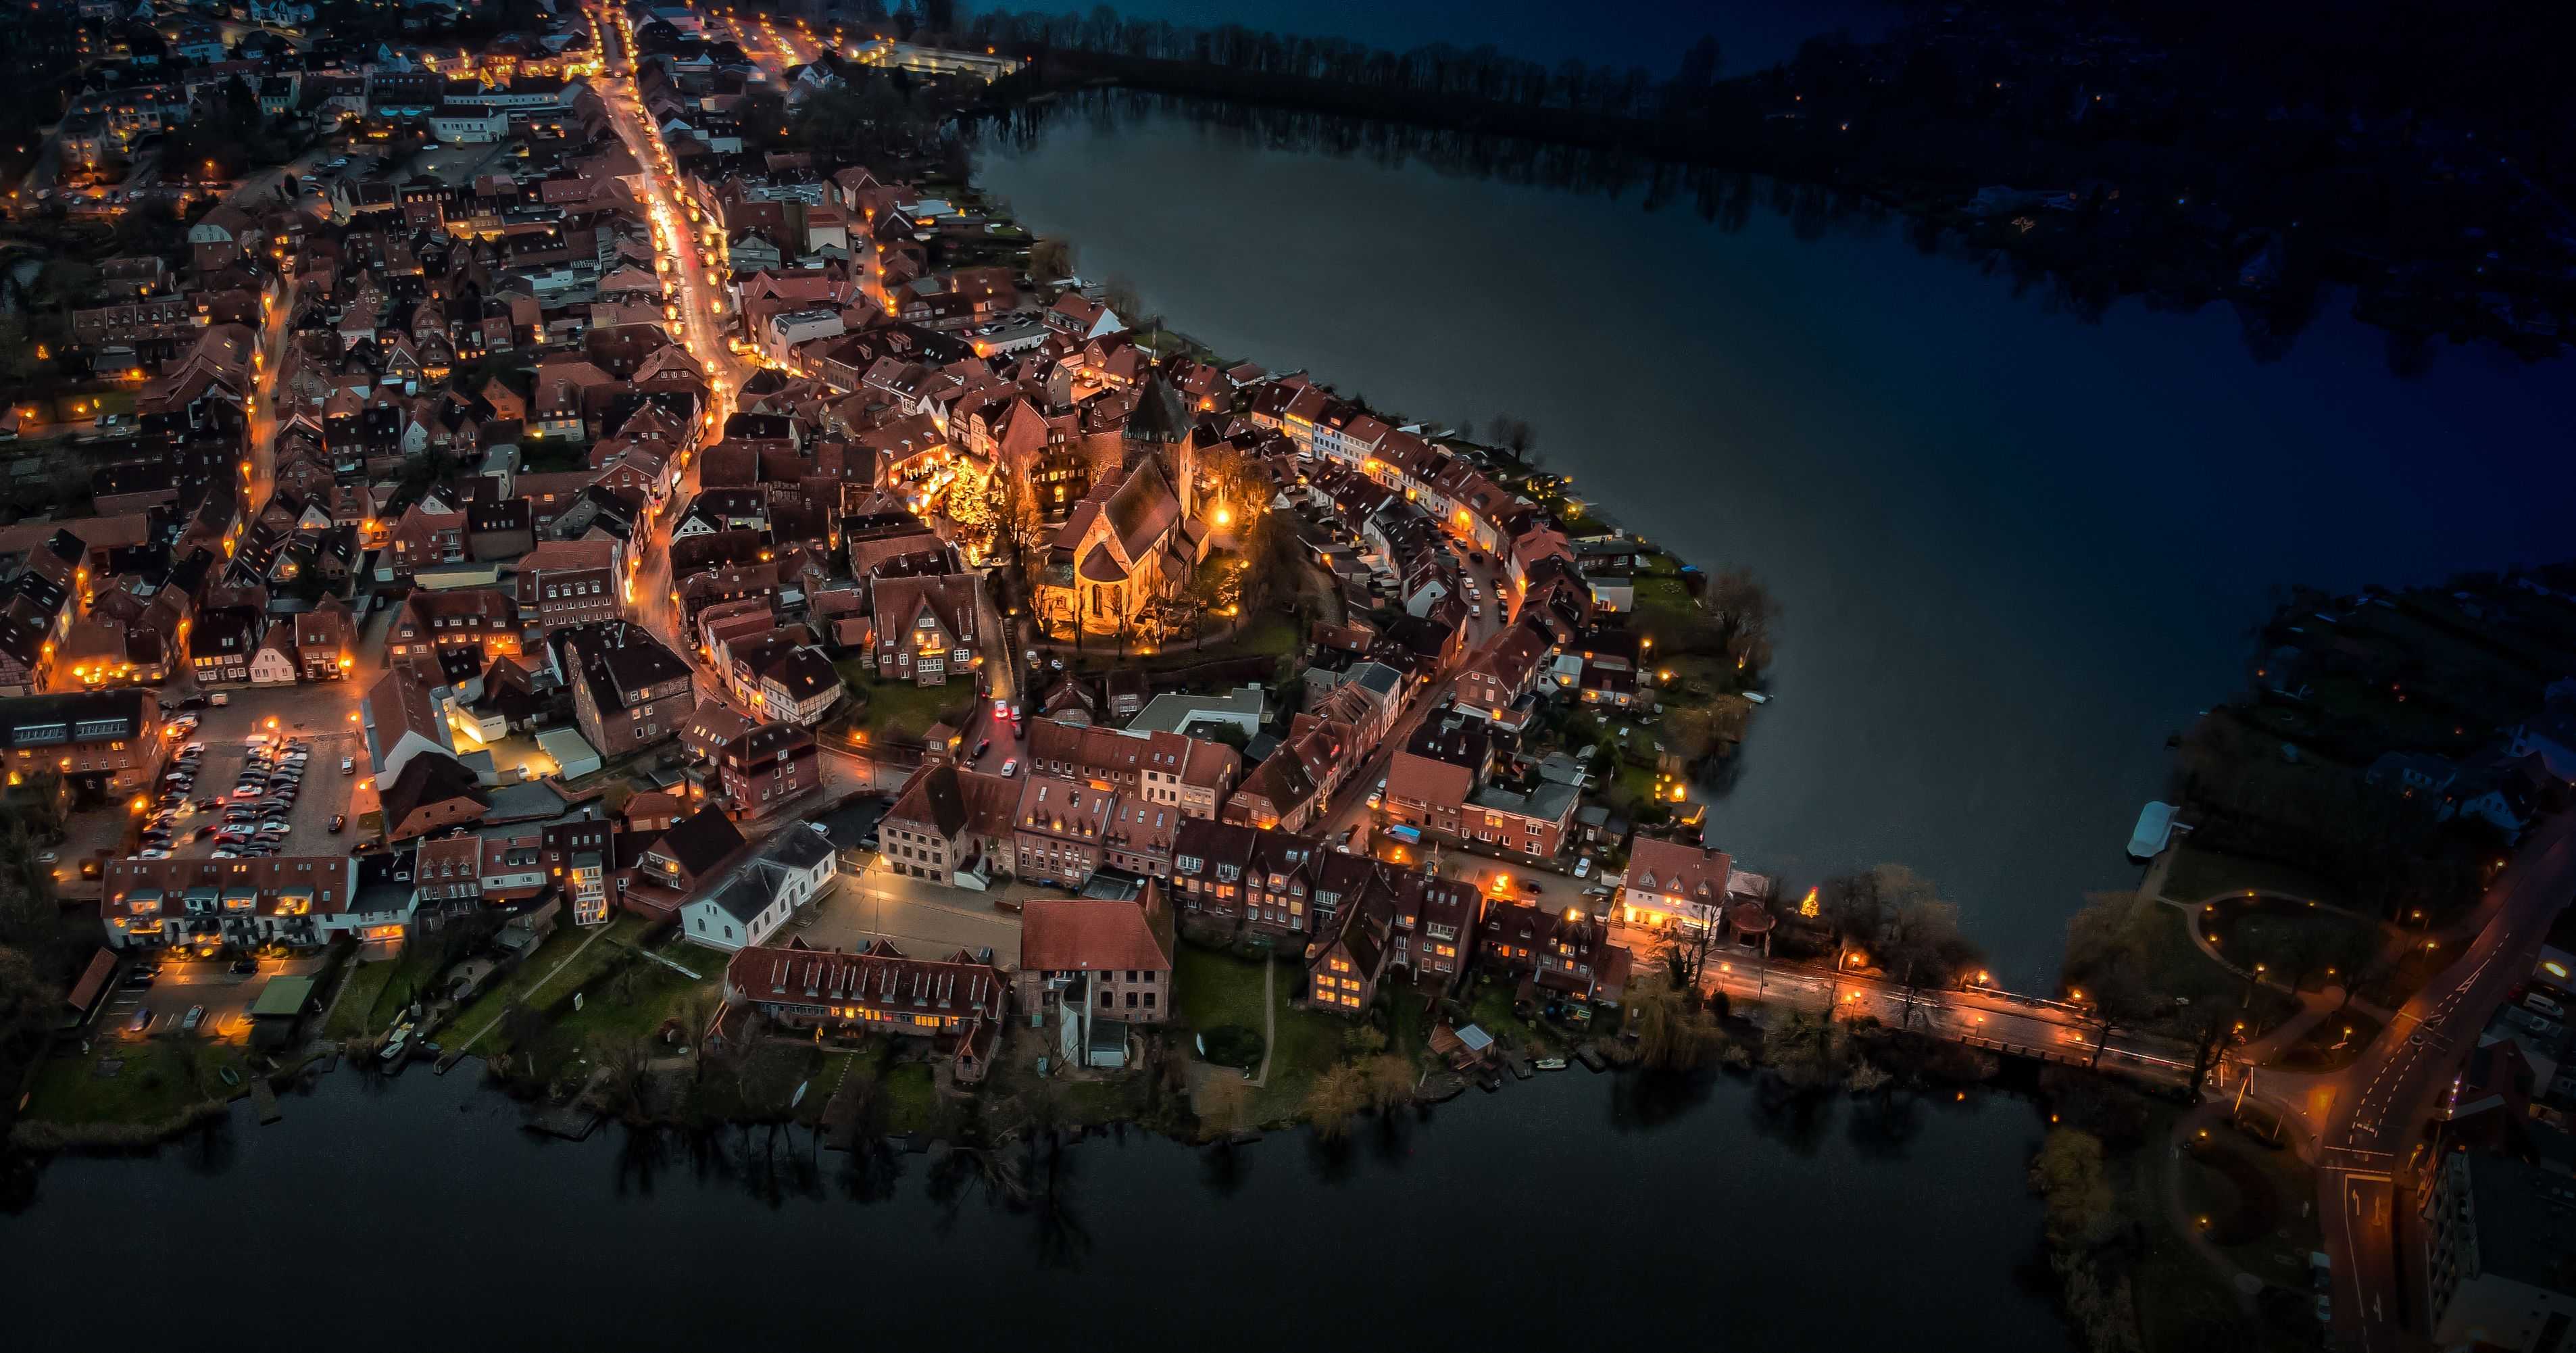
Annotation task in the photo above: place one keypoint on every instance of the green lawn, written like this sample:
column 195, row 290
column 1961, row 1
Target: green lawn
column 1664, row 606
column 897, row 709
column 158, row 1078
column 523, row 983
column 2176, row 967
column 911, row 1097
column 611, row 1014
column 361, row 993
column 1212, row 989
column 2252, row 1195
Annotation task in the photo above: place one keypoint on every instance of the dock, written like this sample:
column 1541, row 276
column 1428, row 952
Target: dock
column 264, row 1100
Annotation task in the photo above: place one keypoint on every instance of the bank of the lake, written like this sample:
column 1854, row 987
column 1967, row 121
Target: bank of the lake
column 2016, row 550
column 416, row 1212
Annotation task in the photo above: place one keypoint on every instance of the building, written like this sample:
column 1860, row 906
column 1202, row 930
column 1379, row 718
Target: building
column 564, row 583
column 958, row 1000
column 434, row 623
column 290, row 899
column 1123, row 949
column 2500, row 1247
column 1673, row 884
column 793, row 868
column 431, row 793
column 103, row 744
column 950, row 826
column 925, row 626
column 1567, row 952
column 781, row 676
column 766, row 767
column 628, row 691
column 1061, row 829
column 677, row 862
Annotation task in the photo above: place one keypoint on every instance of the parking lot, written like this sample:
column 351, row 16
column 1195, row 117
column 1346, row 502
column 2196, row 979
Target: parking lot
column 322, row 793
column 180, row 985
column 923, row 919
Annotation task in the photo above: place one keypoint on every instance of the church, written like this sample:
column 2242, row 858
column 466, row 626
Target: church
column 1135, row 537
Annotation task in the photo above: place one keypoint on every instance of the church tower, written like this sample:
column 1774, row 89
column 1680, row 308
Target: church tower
column 1159, row 429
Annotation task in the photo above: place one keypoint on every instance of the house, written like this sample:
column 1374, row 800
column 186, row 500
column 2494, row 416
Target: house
column 103, row 744
column 564, row 583
column 1567, row 952
column 401, row 720
column 431, row 793
column 433, row 623
column 1674, row 885
column 793, row 868
column 950, row 826
column 628, row 691
column 764, row 766
column 925, row 626
column 676, row 863
column 222, row 643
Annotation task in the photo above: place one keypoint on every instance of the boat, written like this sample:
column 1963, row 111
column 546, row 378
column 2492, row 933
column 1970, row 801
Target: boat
column 1551, row 1064
column 231, row 1077
column 1757, row 697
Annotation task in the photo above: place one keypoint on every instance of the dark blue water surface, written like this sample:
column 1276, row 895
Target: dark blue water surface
column 417, row 1215
column 2016, row 549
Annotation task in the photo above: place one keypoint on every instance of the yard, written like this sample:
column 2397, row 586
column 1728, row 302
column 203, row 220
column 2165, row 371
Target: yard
column 899, row 709
column 621, row 1008
column 1213, row 990
column 479, row 1022
column 2247, row 1197
column 1664, row 605
column 152, row 1080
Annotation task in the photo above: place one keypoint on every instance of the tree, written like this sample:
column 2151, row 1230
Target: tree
column 17, row 348
column 1337, row 1095
column 1673, row 1032
column 1364, row 1040
column 1742, row 612
column 1224, row 1105
column 1388, row 1081
column 1808, row 1053
column 2067, row 1173
column 1050, row 257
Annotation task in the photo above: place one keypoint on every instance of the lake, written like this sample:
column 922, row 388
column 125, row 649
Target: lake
column 2015, row 549
column 415, row 1213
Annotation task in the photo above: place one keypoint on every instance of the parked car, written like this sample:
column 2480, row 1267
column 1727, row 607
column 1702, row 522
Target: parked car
column 244, row 967
column 140, row 975
column 338, row 821
column 348, row 765
column 1010, row 768
column 142, row 1020
column 196, row 1015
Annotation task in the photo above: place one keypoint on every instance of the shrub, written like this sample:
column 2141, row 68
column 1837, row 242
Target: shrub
column 1233, row 1045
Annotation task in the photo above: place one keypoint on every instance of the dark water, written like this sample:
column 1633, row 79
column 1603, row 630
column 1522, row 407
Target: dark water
column 2015, row 549
column 1751, row 34
column 416, row 1214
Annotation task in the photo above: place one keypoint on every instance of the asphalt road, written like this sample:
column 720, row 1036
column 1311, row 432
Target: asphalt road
column 2380, row 1106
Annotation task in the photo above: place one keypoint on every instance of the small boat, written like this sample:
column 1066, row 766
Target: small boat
column 1757, row 697
column 1551, row 1064
column 231, row 1077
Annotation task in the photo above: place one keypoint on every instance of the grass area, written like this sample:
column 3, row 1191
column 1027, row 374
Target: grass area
column 156, row 1078
column 2181, row 1297
column 2176, row 967
column 2332, row 1044
column 1664, row 605
column 2252, row 1194
column 2306, row 946
column 526, row 984
column 361, row 992
column 618, row 1012
column 2197, row 875
column 898, row 709
column 911, row 1097
column 1213, row 989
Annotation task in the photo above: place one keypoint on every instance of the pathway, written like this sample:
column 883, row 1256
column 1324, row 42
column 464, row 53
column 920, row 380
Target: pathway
column 1269, row 1022
column 2195, row 1124
column 539, row 985
column 2312, row 1003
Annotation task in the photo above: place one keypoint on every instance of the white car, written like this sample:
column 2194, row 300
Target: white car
column 1583, row 867
column 1010, row 768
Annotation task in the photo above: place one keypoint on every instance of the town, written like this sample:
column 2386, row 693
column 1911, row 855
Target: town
column 538, row 534
column 579, row 547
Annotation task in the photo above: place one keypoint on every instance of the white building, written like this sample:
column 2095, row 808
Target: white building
column 793, row 868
